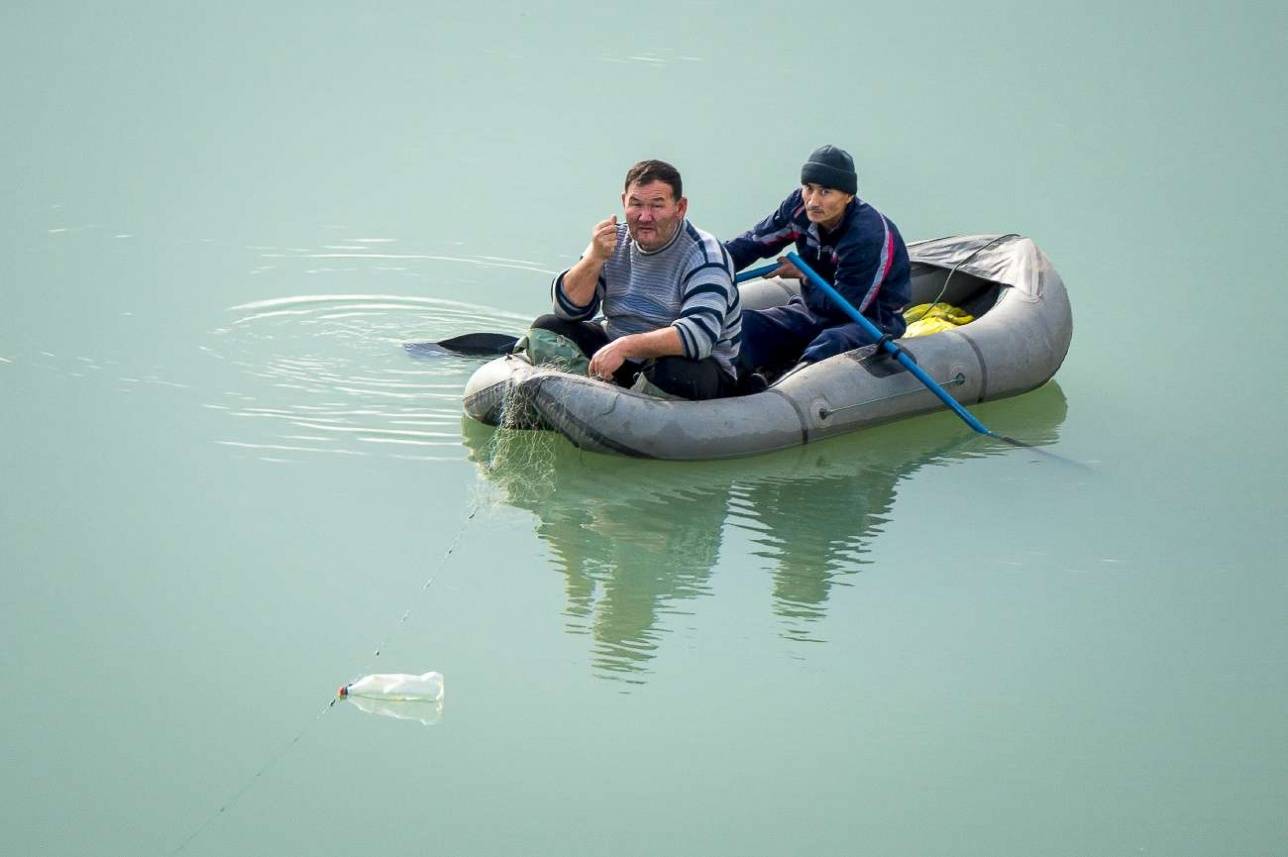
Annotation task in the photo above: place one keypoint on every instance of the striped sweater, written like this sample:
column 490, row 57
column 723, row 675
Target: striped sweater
column 864, row 257
column 688, row 284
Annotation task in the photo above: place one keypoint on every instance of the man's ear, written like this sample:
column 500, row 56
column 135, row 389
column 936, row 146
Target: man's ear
column 683, row 207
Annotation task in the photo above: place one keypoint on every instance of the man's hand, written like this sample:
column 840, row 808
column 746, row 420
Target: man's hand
column 787, row 270
column 608, row 360
column 580, row 280
column 603, row 240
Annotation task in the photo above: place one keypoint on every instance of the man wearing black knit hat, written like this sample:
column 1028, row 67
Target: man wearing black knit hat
column 849, row 243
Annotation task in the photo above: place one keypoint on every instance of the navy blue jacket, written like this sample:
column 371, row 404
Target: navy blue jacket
column 864, row 258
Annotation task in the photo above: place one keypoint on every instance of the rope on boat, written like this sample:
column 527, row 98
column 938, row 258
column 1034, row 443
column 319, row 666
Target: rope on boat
column 970, row 256
column 956, row 381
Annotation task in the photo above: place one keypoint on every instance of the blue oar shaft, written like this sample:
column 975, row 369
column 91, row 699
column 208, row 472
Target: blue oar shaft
column 756, row 273
column 895, row 351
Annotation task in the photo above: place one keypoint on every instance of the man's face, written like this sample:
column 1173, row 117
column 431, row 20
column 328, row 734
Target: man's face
column 824, row 205
column 653, row 213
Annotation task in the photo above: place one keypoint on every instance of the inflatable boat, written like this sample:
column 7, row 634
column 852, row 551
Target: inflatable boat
column 1018, row 339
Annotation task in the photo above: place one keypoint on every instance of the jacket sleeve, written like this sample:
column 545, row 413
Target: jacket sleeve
column 768, row 236
column 566, row 309
column 709, row 298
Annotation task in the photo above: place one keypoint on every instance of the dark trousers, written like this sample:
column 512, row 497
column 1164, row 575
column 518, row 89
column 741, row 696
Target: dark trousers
column 775, row 339
column 679, row 376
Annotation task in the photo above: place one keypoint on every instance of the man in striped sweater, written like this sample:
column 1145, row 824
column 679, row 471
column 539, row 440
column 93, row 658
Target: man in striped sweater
column 670, row 307
column 849, row 243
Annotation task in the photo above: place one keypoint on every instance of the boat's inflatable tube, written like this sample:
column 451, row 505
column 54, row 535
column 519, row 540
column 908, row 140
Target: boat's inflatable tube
column 1019, row 338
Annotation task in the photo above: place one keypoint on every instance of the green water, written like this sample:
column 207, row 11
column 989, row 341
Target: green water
column 226, row 486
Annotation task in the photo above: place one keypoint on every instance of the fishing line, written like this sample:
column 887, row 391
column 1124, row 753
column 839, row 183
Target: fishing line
column 451, row 549
column 236, row 796
column 233, row 799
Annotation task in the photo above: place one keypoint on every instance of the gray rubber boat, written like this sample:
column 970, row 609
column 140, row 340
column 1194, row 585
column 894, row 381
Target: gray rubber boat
column 1016, row 343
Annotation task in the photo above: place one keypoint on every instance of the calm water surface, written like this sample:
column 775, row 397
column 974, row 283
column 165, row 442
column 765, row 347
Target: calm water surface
column 227, row 487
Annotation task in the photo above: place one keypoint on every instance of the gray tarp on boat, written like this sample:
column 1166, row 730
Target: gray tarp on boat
column 1019, row 338
column 1008, row 259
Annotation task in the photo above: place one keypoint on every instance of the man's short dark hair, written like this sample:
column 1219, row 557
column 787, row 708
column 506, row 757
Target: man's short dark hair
column 649, row 171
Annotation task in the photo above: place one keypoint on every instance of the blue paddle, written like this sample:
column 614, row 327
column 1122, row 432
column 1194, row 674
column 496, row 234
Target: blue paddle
column 757, row 273
column 902, row 356
column 496, row 344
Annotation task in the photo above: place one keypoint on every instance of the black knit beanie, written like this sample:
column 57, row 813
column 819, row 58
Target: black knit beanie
column 831, row 167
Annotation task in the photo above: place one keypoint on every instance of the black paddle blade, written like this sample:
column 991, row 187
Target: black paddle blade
column 469, row 345
column 1033, row 448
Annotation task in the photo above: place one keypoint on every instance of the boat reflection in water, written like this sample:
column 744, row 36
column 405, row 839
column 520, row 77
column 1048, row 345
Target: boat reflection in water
column 637, row 539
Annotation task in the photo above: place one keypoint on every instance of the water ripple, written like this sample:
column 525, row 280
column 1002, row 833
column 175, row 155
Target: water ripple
column 327, row 373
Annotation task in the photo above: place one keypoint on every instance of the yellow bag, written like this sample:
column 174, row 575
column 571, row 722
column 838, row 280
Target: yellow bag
column 924, row 319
